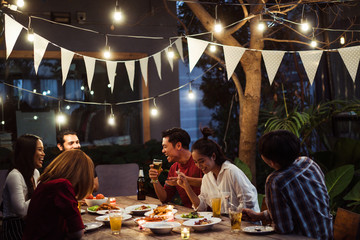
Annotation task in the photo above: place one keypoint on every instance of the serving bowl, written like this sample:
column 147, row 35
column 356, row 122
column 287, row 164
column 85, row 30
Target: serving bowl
column 161, row 227
column 192, row 223
column 93, row 202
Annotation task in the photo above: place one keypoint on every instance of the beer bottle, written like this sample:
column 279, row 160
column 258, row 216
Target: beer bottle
column 141, row 185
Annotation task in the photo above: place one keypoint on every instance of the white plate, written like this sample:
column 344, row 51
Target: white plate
column 152, row 211
column 100, row 212
column 258, row 229
column 161, row 227
column 203, row 214
column 106, row 219
column 131, row 209
column 82, row 211
column 92, row 225
column 191, row 223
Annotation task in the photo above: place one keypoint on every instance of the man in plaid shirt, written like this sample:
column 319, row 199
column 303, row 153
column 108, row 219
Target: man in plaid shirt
column 296, row 195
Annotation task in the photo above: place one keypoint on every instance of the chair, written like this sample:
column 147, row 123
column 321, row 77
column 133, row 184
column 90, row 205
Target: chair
column 347, row 225
column 118, row 179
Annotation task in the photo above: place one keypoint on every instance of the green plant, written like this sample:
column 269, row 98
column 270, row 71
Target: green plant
column 243, row 167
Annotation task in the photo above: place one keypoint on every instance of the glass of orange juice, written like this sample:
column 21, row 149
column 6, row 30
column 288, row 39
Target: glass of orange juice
column 115, row 221
column 216, row 206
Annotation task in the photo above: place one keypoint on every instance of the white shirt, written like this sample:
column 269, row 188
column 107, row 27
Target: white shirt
column 14, row 195
column 232, row 180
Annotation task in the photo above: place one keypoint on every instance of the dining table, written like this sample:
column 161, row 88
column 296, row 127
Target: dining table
column 131, row 230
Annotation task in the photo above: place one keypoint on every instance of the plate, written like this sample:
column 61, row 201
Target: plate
column 161, row 227
column 82, row 211
column 106, row 219
column 258, row 229
column 203, row 214
column 191, row 223
column 147, row 214
column 92, row 225
column 100, row 212
column 131, row 209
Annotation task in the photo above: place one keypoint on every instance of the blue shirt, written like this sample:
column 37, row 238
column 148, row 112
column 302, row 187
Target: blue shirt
column 298, row 201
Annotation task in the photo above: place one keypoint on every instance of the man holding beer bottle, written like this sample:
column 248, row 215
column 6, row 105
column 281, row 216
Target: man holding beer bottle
column 175, row 143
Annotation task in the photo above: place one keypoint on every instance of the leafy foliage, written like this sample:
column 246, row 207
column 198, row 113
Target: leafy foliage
column 338, row 179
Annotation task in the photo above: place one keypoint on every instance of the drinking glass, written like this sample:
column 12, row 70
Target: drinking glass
column 235, row 214
column 216, row 206
column 115, row 221
column 157, row 165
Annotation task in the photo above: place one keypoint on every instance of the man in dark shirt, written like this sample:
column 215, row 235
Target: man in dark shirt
column 296, row 194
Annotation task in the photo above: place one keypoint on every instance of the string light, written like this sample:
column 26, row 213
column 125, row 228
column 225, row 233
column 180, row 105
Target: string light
column 109, row 85
column 217, row 25
column 48, row 92
column 191, row 94
column 30, row 35
column 154, row 111
column 68, row 107
column 342, row 40
column 313, row 41
column 82, row 88
column 170, row 53
column 20, row 3
column 212, row 47
column 60, row 117
column 304, row 26
column 261, row 25
column 44, row 93
column 34, row 90
column 35, row 117
column 111, row 120
column 107, row 53
column 92, row 92
column 117, row 13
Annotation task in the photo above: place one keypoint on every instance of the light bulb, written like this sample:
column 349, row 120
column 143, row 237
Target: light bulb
column 20, row 3
column 261, row 26
column 60, row 118
column 109, row 85
column 170, row 53
column 36, row 117
column 305, row 26
column 82, row 88
column 342, row 40
column 313, row 43
column 107, row 53
column 212, row 48
column 92, row 92
column 117, row 16
column 154, row 112
column 30, row 35
column 48, row 92
column 218, row 26
column 68, row 107
column 34, row 90
column 2, row 122
column 44, row 93
column 191, row 95
column 111, row 120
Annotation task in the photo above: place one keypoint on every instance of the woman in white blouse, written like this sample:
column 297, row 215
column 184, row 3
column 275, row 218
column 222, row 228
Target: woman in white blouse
column 221, row 177
column 20, row 184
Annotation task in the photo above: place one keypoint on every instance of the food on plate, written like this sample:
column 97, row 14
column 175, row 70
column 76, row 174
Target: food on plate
column 191, row 215
column 143, row 207
column 202, row 222
column 94, row 208
column 160, row 211
column 106, row 206
column 151, row 219
column 100, row 196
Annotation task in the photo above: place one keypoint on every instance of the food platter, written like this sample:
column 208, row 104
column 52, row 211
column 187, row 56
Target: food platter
column 192, row 223
column 92, row 225
column 258, row 229
column 202, row 214
column 161, row 227
column 135, row 209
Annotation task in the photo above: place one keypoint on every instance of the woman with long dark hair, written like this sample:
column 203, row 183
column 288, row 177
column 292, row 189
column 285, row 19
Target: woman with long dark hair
column 20, row 184
column 221, row 176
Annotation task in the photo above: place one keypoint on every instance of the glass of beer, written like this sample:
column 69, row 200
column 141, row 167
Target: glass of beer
column 235, row 214
column 216, row 206
column 115, row 221
column 157, row 165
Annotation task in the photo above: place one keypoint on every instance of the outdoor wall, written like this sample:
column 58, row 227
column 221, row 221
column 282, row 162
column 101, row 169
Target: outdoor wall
column 142, row 18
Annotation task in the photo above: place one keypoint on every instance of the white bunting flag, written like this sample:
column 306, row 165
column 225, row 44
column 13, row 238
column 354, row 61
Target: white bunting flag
column 179, row 46
column 157, row 58
column 111, row 70
column 196, row 49
column 90, row 69
column 171, row 60
column 232, row 57
column 130, row 68
column 12, row 32
column 40, row 45
column 310, row 60
column 351, row 58
column 66, row 58
column 272, row 60
column 144, row 69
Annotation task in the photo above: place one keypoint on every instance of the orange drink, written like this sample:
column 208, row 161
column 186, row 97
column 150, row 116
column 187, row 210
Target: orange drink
column 216, row 206
column 115, row 221
column 235, row 219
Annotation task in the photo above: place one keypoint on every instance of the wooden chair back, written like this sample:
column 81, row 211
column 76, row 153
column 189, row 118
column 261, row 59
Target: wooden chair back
column 347, row 225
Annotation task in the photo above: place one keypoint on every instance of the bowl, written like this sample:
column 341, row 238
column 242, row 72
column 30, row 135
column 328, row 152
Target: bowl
column 93, row 202
column 199, row 228
column 161, row 227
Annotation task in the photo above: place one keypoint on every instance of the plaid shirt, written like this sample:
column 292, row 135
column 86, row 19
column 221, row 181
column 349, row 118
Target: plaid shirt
column 298, row 201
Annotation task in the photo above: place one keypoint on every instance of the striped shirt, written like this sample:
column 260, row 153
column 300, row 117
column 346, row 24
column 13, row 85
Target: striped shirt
column 298, row 201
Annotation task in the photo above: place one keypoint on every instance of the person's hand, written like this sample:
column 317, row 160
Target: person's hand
column 172, row 181
column 153, row 173
column 251, row 215
column 182, row 180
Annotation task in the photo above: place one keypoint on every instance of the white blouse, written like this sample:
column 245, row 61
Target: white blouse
column 231, row 180
column 14, row 195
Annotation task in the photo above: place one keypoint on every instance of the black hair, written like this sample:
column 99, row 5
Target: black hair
column 280, row 146
column 60, row 137
column 24, row 151
column 208, row 147
column 176, row 135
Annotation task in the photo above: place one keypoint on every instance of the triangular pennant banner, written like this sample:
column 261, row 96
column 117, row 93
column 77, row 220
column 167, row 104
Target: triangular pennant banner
column 144, row 69
column 130, row 68
column 351, row 57
column 310, row 60
column 272, row 60
column 40, row 45
column 179, row 46
column 232, row 57
column 171, row 60
column 66, row 58
column 196, row 49
column 111, row 70
column 12, row 32
column 90, row 69
column 157, row 58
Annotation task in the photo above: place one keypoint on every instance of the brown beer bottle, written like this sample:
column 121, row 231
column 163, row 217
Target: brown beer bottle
column 141, row 185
